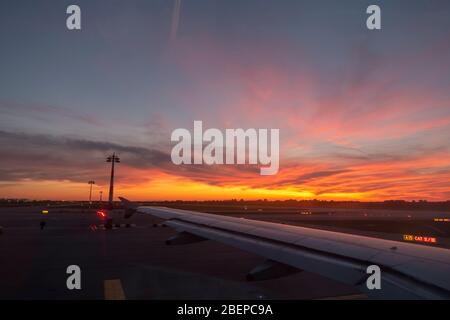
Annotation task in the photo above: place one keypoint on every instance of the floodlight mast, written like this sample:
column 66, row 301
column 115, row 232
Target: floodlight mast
column 91, row 183
column 113, row 159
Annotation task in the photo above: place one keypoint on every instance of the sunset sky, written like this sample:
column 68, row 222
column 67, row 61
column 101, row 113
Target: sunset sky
column 363, row 115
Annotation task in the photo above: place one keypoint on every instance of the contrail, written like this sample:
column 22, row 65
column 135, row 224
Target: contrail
column 175, row 20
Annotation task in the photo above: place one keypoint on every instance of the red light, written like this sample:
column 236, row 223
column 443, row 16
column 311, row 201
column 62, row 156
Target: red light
column 101, row 214
column 429, row 239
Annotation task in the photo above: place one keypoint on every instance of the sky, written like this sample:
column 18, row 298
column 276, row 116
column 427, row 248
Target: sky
column 363, row 115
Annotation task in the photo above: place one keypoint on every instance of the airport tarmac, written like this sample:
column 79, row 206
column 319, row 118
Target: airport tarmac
column 134, row 262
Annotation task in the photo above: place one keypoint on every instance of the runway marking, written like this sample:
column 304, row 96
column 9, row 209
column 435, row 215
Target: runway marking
column 113, row 290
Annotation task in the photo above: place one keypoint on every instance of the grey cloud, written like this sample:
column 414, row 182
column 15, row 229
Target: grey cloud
column 43, row 111
column 44, row 157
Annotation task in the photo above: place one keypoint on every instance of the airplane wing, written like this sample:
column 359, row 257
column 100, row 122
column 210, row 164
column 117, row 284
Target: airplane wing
column 408, row 271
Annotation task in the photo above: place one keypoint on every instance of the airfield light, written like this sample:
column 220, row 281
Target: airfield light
column 101, row 214
column 441, row 219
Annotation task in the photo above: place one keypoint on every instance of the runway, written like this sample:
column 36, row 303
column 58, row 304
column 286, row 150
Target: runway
column 134, row 263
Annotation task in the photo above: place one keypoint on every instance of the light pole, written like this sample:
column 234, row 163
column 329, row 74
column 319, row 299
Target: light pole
column 91, row 183
column 113, row 159
column 101, row 196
